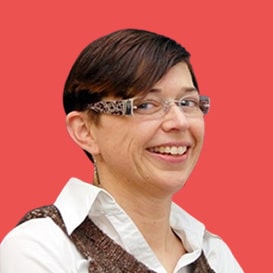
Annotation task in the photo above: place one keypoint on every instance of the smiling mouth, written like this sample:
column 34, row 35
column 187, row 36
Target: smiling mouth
column 169, row 150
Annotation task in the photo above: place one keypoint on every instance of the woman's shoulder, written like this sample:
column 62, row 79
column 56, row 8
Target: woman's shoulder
column 36, row 244
column 219, row 254
column 36, row 234
column 34, row 229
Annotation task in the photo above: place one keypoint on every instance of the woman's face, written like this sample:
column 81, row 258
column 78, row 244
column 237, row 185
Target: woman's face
column 134, row 151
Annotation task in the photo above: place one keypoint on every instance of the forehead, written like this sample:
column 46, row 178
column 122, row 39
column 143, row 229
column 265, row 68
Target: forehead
column 177, row 79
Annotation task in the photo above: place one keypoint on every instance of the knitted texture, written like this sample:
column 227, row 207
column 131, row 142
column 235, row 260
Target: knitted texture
column 104, row 255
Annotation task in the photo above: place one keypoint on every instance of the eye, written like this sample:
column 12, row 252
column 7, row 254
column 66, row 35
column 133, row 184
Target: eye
column 190, row 102
column 146, row 106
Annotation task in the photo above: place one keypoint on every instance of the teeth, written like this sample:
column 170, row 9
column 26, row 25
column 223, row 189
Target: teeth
column 173, row 150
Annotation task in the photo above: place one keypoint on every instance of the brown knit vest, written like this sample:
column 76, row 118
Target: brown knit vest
column 104, row 255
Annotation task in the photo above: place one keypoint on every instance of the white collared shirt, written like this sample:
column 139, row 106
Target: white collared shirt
column 40, row 246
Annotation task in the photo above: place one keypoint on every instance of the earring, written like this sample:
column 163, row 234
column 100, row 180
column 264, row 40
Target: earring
column 96, row 174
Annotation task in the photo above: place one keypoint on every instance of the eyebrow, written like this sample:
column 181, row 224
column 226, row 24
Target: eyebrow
column 190, row 89
column 185, row 89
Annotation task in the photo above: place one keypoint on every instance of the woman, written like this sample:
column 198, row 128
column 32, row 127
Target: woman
column 132, row 104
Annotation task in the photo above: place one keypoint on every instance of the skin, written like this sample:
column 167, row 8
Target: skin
column 143, row 182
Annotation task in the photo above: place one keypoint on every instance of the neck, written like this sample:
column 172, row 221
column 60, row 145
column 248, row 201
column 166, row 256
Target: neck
column 150, row 213
column 151, row 216
column 150, row 209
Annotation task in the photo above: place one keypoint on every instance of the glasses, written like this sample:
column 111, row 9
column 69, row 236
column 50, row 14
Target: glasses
column 154, row 107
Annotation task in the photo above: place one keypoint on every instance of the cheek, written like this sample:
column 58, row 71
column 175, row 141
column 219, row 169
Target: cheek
column 198, row 131
column 135, row 138
column 115, row 140
column 124, row 137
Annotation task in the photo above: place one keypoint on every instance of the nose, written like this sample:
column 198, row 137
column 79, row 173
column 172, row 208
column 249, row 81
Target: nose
column 175, row 119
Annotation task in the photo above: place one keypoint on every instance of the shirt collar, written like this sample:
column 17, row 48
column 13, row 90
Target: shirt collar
column 75, row 202
column 190, row 230
column 78, row 198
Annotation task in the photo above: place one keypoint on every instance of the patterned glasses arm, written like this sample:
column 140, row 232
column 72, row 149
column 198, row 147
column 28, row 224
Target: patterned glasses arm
column 114, row 107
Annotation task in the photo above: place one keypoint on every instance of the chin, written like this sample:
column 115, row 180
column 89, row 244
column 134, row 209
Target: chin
column 171, row 185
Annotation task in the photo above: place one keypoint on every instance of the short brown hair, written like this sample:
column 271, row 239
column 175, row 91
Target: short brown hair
column 121, row 64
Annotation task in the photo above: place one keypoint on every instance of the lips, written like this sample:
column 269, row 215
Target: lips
column 169, row 150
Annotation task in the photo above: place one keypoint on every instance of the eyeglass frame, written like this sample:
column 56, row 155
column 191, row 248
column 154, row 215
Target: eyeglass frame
column 126, row 107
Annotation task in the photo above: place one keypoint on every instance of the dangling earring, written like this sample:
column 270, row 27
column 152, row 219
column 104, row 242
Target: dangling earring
column 96, row 174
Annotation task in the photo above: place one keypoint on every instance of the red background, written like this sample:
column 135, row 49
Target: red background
column 231, row 46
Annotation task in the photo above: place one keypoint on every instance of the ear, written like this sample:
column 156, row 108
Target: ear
column 79, row 128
